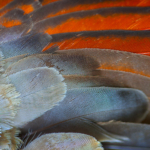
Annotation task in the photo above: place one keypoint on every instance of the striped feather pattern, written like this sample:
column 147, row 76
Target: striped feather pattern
column 78, row 68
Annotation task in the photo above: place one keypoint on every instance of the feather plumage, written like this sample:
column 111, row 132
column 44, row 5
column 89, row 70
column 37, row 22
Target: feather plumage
column 52, row 141
column 98, row 104
column 33, row 88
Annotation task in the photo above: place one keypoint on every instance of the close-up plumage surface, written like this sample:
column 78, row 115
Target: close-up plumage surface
column 74, row 74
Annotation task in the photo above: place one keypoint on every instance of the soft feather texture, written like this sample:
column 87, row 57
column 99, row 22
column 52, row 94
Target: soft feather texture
column 41, row 85
column 15, row 32
column 9, row 139
column 97, row 104
column 64, row 141
column 115, row 60
column 29, row 44
column 61, row 7
column 109, row 78
column 105, row 3
column 122, row 40
column 79, row 25
column 26, row 5
column 102, row 19
column 137, row 133
column 65, row 64
column 85, row 61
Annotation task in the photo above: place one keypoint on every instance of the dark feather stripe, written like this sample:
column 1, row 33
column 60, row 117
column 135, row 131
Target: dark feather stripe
column 59, row 7
column 26, row 5
column 97, row 19
column 123, row 40
column 23, row 25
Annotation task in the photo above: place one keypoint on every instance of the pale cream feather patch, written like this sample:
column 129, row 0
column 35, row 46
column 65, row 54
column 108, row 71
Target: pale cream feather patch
column 64, row 141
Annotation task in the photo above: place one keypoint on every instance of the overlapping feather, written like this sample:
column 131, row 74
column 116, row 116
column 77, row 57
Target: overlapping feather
column 73, row 90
